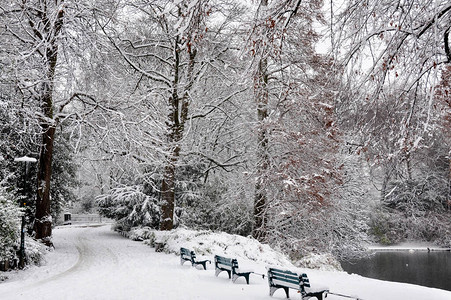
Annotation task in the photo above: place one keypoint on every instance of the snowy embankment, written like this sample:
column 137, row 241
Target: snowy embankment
column 97, row 263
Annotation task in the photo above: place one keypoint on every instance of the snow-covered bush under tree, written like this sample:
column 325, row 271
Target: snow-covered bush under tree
column 9, row 224
column 129, row 206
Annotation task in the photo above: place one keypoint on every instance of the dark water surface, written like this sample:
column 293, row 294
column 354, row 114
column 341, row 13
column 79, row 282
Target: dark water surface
column 431, row 269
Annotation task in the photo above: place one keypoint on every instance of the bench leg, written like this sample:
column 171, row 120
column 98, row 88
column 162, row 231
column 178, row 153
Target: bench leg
column 272, row 289
column 235, row 277
column 203, row 263
column 182, row 261
column 217, row 271
column 287, row 292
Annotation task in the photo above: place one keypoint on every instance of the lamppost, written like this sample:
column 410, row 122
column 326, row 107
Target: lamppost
column 27, row 160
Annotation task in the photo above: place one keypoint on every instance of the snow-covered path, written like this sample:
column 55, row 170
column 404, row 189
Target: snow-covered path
column 97, row 263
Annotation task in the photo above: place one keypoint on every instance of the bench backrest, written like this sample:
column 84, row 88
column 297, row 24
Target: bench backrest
column 278, row 277
column 223, row 262
column 187, row 254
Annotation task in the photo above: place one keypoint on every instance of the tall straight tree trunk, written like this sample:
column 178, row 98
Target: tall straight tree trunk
column 168, row 183
column 178, row 114
column 168, row 196
column 261, row 98
column 260, row 197
column 43, row 220
column 48, row 34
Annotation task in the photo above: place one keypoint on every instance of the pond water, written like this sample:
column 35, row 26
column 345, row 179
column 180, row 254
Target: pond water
column 431, row 269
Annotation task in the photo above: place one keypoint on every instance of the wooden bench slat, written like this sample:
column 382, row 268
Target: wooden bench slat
column 293, row 281
column 228, row 267
column 292, row 285
column 287, row 277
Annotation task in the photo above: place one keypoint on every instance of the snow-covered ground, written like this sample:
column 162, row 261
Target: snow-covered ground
column 97, row 263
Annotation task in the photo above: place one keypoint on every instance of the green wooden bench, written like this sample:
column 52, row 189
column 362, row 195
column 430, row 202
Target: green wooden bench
column 284, row 279
column 231, row 267
column 188, row 255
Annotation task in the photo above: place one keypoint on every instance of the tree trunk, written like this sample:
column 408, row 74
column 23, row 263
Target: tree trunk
column 260, row 197
column 168, row 192
column 43, row 221
column 48, row 34
column 177, row 117
column 168, row 183
column 385, row 181
column 173, row 137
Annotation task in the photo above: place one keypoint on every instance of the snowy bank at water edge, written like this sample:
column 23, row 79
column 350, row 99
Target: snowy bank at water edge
column 408, row 246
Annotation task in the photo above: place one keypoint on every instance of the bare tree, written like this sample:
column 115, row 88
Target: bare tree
column 393, row 54
column 37, row 27
column 282, row 44
column 171, row 56
column 44, row 43
column 402, row 42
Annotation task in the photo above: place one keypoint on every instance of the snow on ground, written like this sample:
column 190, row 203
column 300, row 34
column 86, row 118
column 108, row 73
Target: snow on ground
column 97, row 263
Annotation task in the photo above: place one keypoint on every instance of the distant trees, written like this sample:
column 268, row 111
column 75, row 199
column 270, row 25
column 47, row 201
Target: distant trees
column 397, row 52
column 417, row 204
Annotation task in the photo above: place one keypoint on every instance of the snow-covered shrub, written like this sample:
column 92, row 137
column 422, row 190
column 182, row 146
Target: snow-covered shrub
column 324, row 262
column 130, row 207
column 380, row 228
column 417, row 196
column 414, row 210
column 142, row 234
column 34, row 251
column 394, row 226
column 209, row 243
column 9, row 224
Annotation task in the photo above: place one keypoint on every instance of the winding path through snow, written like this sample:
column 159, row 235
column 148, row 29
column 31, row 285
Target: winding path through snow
column 97, row 263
